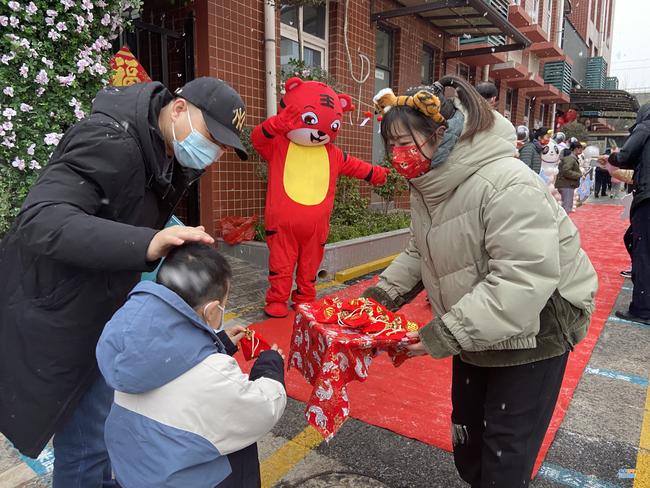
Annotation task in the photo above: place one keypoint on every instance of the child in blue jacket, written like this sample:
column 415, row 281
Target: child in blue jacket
column 184, row 414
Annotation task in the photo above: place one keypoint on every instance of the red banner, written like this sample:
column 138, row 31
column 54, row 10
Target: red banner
column 127, row 70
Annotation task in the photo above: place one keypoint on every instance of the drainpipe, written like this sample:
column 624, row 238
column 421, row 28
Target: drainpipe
column 269, row 58
column 486, row 72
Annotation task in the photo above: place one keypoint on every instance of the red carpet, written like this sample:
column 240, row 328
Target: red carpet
column 414, row 399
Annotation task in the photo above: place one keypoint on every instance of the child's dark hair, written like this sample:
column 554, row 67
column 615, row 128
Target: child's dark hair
column 479, row 112
column 196, row 272
column 487, row 90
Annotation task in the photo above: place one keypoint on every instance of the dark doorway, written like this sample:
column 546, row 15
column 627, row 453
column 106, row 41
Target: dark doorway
column 162, row 39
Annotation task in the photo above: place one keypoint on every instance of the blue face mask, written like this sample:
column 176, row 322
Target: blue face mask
column 195, row 151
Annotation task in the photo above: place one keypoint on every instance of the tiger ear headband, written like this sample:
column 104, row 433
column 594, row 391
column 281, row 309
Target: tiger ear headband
column 423, row 101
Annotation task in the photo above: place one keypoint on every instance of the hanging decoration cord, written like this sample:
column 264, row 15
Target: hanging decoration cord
column 364, row 72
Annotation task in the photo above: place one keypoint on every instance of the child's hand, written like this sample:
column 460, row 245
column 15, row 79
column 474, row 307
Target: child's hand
column 236, row 334
column 275, row 347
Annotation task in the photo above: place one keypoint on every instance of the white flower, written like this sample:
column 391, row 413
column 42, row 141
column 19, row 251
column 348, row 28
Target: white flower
column 51, row 13
column 30, row 149
column 18, row 163
column 24, row 70
column 54, row 35
column 81, row 22
column 90, row 17
column 42, row 78
column 25, row 108
column 67, row 4
column 52, row 139
column 61, row 26
column 49, row 20
column 34, row 164
column 8, row 113
column 24, row 43
column 4, row 20
column 47, row 62
column 14, row 21
column 66, row 80
column 74, row 102
column 15, row 6
column 7, row 126
column 87, row 5
column 7, row 57
column 40, row 91
column 80, row 114
column 106, row 19
column 8, row 142
column 101, row 4
column 9, row 91
column 31, row 8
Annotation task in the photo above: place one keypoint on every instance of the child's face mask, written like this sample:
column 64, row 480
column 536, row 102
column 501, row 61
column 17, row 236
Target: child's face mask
column 221, row 316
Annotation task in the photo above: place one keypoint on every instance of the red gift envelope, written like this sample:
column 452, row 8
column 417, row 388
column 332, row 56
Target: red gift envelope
column 252, row 345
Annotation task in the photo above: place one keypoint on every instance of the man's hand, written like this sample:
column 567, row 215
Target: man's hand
column 236, row 334
column 171, row 237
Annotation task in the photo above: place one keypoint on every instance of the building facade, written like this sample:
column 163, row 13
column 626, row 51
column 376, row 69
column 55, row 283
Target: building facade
column 364, row 45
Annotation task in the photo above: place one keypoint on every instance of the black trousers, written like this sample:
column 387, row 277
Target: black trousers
column 500, row 417
column 640, row 305
column 602, row 179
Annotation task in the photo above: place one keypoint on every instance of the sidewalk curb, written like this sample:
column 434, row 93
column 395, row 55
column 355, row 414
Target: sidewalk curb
column 363, row 269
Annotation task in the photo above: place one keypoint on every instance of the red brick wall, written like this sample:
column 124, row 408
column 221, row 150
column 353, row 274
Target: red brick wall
column 579, row 16
column 230, row 45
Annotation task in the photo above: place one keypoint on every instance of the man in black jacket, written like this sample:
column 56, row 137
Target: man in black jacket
column 87, row 229
column 635, row 154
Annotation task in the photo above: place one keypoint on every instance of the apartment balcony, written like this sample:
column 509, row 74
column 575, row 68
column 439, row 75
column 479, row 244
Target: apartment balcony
column 508, row 70
column 558, row 74
column 546, row 49
column 532, row 80
column 545, row 91
column 518, row 16
column 534, row 33
column 484, row 59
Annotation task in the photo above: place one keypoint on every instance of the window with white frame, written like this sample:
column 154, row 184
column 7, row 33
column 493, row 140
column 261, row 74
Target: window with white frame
column 314, row 21
column 532, row 9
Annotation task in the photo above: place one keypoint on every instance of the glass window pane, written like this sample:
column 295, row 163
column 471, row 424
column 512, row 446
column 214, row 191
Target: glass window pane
column 313, row 20
column 312, row 57
column 288, row 50
column 384, row 48
column 426, row 67
column 289, row 15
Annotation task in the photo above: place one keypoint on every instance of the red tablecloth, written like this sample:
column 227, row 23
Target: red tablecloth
column 333, row 343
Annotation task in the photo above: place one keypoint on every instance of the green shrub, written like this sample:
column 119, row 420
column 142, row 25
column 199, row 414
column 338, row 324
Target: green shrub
column 53, row 61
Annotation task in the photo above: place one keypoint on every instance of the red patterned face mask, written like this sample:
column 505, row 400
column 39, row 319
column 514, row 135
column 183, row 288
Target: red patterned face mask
column 409, row 161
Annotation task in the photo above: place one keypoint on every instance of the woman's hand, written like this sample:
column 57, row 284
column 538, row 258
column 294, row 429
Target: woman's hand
column 236, row 334
column 416, row 349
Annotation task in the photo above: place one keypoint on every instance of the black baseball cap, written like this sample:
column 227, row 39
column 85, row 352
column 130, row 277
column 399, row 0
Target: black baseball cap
column 223, row 110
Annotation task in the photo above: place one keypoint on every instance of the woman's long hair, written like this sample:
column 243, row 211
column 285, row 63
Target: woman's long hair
column 479, row 113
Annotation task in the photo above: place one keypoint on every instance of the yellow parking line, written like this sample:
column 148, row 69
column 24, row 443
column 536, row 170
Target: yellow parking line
column 363, row 269
column 284, row 459
column 642, row 476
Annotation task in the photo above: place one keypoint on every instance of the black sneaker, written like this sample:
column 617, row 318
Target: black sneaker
column 632, row 318
column 626, row 274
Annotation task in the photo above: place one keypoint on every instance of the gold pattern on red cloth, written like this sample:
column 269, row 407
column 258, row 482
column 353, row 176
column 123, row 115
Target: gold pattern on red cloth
column 333, row 343
column 127, row 70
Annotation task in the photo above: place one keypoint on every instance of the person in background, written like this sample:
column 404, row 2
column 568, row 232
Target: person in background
column 90, row 225
column 635, row 155
column 488, row 90
column 568, row 178
column 602, row 178
column 531, row 152
column 523, row 136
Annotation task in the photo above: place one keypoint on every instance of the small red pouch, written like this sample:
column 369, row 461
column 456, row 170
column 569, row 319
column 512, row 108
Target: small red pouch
column 252, row 345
